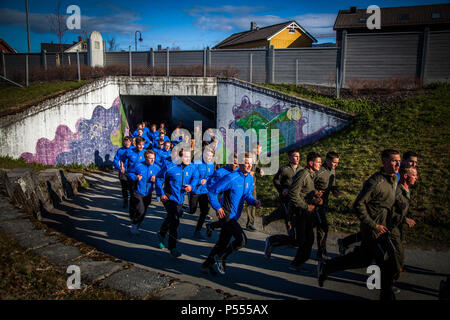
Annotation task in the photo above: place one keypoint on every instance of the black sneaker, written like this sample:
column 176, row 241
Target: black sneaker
column 208, row 269
column 321, row 276
column 220, row 264
column 209, row 230
column 251, row 227
column 268, row 248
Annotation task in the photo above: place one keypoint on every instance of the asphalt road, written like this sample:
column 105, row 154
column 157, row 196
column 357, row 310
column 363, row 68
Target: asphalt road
column 95, row 216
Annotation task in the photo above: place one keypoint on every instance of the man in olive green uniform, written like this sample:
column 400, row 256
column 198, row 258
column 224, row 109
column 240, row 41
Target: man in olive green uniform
column 325, row 181
column 282, row 181
column 401, row 215
column 302, row 201
column 373, row 206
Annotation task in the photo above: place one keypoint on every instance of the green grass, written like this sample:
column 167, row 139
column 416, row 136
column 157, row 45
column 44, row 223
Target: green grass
column 420, row 124
column 14, row 98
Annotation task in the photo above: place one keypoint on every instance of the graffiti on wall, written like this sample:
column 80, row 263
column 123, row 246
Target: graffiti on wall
column 96, row 140
column 294, row 124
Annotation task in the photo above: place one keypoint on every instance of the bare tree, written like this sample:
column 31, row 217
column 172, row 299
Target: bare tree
column 58, row 24
column 113, row 45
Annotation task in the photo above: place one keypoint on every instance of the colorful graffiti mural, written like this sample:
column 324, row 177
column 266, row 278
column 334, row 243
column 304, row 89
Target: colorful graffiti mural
column 96, row 140
column 290, row 121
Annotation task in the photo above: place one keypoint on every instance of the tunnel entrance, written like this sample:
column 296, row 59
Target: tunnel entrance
column 170, row 109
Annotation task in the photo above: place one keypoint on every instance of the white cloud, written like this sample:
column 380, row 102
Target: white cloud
column 237, row 18
column 120, row 23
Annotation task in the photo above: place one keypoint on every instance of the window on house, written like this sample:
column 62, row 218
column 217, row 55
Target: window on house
column 291, row 30
column 436, row 15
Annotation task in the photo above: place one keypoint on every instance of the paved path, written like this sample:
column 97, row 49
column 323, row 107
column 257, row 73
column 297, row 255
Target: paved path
column 96, row 217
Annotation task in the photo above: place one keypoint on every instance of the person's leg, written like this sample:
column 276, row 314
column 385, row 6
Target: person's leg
column 146, row 201
column 305, row 234
column 275, row 215
column 193, row 202
column 222, row 243
column 204, row 209
column 322, row 232
column 175, row 217
column 240, row 240
column 166, row 223
column 351, row 239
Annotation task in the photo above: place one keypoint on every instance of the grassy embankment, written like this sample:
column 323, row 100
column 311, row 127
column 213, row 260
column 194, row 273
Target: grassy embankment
column 420, row 124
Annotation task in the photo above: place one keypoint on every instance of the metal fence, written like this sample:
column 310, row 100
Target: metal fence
column 365, row 56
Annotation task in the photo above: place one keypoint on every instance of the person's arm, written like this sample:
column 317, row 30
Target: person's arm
column 160, row 177
column 116, row 161
column 249, row 196
column 216, row 189
column 360, row 204
column 296, row 197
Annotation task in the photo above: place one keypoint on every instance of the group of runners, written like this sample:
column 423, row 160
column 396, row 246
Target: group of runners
column 146, row 164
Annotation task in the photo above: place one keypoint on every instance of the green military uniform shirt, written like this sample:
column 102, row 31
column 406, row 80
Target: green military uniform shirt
column 302, row 190
column 375, row 202
column 283, row 178
column 325, row 179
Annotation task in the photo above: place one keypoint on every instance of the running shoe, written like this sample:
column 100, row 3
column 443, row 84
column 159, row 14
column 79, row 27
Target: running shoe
column 321, row 276
column 209, row 230
column 268, row 248
column 220, row 264
column 134, row 229
column 175, row 253
column 198, row 235
column 161, row 241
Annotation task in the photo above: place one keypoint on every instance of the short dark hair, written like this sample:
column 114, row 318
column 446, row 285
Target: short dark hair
column 332, row 155
column 127, row 138
column 139, row 140
column 406, row 168
column 148, row 152
column 293, row 151
column 409, row 154
column 312, row 156
column 386, row 154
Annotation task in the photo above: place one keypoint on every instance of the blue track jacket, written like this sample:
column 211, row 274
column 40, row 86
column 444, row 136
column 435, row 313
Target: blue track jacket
column 203, row 171
column 145, row 186
column 175, row 177
column 120, row 157
column 133, row 158
column 236, row 188
column 219, row 174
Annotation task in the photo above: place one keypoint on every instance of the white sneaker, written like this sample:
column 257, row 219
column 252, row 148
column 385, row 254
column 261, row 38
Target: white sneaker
column 134, row 229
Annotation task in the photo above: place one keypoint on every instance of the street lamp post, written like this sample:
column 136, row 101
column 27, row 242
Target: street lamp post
column 135, row 39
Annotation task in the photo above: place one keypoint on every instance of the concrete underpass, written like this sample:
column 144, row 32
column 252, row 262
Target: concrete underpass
column 170, row 109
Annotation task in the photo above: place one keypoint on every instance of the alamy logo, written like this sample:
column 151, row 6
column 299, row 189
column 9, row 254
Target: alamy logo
column 73, row 21
column 374, row 20
column 374, row 281
column 74, row 281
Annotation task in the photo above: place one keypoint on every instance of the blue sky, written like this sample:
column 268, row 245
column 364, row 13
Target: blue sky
column 186, row 24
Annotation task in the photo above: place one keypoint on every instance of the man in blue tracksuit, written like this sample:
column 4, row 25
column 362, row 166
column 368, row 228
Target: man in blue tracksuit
column 145, row 131
column 119, row 164
column 162, row 156
column 178, row 179
column 145, row 177
column 217, row 175
column 153, row 135
column 133, row 157
column 236, row 187
column 199, row 194
column 146, row 138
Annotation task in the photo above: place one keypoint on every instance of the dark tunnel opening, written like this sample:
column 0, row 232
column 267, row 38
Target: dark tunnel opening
column 170, row 109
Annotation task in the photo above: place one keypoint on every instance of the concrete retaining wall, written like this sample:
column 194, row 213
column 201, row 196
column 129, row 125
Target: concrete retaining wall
column 39, row 192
